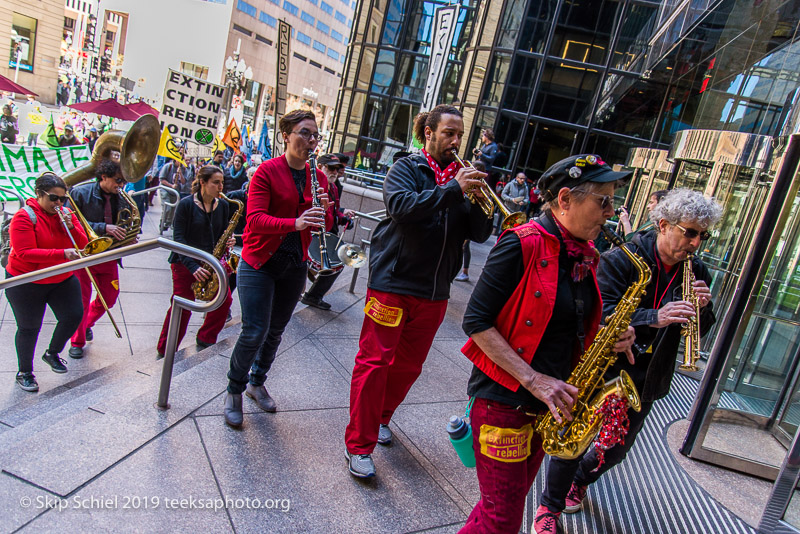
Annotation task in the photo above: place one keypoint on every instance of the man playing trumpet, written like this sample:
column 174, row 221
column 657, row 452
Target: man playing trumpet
column 99, row 202
column 414, row 256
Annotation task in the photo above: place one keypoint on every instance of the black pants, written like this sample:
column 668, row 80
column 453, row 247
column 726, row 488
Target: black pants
column 467, row 255
column 268, row 298
column 562, row 473
column 28, row 303
column 322, row 284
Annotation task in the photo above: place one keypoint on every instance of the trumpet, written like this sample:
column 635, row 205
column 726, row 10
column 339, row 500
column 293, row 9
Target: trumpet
column 82, row 253
column 489, row 199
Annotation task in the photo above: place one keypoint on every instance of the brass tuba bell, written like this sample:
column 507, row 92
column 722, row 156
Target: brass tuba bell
column 137, row 147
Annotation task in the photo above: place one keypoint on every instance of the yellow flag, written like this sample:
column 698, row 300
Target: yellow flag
column 357, row 162
column 168, row 149
column 218, row 144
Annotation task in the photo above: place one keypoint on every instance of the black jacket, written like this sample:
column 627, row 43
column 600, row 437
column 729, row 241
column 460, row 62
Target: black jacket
column 417, row 249
column 194, row 227
column 92, row 204
column 654, row 369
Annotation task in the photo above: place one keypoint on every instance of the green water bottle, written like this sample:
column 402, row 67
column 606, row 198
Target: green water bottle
column 461, row 438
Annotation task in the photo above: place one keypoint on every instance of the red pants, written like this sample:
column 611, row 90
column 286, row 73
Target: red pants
column 107, row 277
column 504, row 483
column 388, row 362
column 182, row 281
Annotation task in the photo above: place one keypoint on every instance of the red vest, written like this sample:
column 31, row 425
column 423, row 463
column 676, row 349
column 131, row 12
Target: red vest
column 272, row 207
column 524, row 318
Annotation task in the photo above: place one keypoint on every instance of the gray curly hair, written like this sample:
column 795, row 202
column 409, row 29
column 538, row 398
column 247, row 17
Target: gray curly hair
column 688, row 206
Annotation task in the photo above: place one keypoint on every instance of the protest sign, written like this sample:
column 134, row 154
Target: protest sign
column 191, row 107
column 21, row 165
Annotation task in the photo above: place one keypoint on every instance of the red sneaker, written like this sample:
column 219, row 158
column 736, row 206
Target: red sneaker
column 575, row 498
column 545, row 521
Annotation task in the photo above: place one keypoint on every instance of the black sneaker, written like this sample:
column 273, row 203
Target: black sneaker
column 76, row 353
column 27, row 382
column 56, row 363
column 201, row 344
column 89, row 334
column 314, row 302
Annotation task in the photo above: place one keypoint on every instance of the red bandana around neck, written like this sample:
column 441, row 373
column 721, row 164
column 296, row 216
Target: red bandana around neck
column 442, row 176
column 583, row 251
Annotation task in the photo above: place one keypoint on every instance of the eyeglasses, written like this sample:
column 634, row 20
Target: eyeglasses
column 308, row 135
column 120, row 181
column 55, row 198
column 691, row 233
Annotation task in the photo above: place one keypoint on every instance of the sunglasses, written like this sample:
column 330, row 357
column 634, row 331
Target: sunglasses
column 55, row 198
column 691, row 233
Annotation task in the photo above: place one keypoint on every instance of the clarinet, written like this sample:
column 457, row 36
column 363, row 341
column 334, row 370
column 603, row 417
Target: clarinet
column 324, row 260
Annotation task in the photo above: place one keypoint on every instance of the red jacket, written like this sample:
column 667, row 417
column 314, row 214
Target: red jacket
column 272, row 207
column 34, row 248
column 524, row 318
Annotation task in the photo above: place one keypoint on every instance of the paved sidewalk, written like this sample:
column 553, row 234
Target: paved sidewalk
column 91, row 452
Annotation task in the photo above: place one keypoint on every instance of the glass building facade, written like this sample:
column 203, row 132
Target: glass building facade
column 553, row 77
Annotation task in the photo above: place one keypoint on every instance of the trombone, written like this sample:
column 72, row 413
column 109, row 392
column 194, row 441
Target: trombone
column 96, row 244
column 489, row 200
column 82, row 253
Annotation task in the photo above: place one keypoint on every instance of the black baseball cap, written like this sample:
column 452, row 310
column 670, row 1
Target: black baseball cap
column 576, row 170
column 330, row 160
column 344, row 158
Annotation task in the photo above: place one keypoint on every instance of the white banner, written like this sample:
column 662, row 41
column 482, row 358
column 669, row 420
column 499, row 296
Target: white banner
column 20, row 166
column 191, row 108
column 284, row 39
column 444, row 27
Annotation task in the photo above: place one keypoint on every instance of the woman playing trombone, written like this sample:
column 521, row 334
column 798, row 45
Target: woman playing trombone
column 40, row 240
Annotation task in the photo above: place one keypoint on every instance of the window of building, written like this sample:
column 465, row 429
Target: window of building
column 276, row 2
column 198, row 71
column 305, row 17
column 353, row 5
column 242, row 30
column 334, row 54
column 349, row 23
column 298, row 56
column 330, row 71
column 313, row 2
column 320, row 47
column 303, row 38
column 23, row 42
column 324, row 28
column 246, row 8
column 262, row 39
column 338, row 36
column 340, row 17
column 314, row 63
column 269, row 20
column 290, row 7
column 326, row 8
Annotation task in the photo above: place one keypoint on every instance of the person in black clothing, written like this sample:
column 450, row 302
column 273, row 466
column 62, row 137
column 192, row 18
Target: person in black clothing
column 9, row 128
column 333, row 169
column 534, row 311
column 682, row 220
column 235, row 174
column 200, row 221
column 414, row 256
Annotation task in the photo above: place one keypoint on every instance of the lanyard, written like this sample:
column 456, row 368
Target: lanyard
column 658, row 276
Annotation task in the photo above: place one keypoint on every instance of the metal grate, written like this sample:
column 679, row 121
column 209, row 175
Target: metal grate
column 649, row 493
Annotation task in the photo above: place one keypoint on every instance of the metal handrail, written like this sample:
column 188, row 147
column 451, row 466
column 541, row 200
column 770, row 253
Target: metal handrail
column 169, row 190
column 13, row 192
column 178, row 303
column 377, row 216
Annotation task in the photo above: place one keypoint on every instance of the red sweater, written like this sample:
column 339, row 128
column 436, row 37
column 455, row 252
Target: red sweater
column 36, row 247
column 524, row 318
column 272, row 207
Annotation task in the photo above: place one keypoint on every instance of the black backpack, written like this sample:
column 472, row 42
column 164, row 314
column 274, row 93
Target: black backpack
column 5, row 235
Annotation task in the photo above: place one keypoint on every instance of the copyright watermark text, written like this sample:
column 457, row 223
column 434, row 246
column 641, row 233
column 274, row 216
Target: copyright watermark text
column 153, row 502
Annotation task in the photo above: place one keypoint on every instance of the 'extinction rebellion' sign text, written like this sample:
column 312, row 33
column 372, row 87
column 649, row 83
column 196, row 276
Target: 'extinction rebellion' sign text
column 191, row 107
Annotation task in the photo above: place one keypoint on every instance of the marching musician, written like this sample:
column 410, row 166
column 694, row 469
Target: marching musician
column 39, row 241
column 280, row 216
column 415, row 254
column 99, row 202
column 682, row 220
column 334, row 169
column 200, row 221
column 534, row 311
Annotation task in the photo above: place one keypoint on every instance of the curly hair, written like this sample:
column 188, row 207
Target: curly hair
column 431, row 119
column 685, row 205
column 108, row 168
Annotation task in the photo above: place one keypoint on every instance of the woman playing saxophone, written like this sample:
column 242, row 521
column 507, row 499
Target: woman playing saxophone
column 200, row 220
column 534, row 310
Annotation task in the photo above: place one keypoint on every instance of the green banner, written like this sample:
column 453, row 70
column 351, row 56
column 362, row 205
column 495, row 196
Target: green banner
column 21, row 165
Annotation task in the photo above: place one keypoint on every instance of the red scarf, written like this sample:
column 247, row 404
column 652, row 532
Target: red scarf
column 583, row 251
column 442, row 176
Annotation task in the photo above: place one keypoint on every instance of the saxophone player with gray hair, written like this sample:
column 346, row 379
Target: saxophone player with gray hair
column 682, row 221
column 535, row 310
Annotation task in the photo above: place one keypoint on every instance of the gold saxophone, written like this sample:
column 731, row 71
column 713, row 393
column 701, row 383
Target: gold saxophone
column 690, row 330
column 207, row 289
column 570, row 439
column 128, row 219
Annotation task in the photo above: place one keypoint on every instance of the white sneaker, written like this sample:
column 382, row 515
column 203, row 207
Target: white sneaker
column 462, row 277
